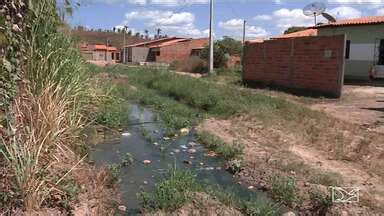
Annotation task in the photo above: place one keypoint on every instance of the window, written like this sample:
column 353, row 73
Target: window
column 113, row 56
column 347, row 49
column 381, row 52
column 157, row 53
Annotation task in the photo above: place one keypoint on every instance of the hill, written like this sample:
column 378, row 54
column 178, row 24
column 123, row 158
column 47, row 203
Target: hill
column 98, row 37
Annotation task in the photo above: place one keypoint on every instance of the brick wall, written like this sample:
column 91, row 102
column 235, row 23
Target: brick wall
column 311, row 63
column 180, row 51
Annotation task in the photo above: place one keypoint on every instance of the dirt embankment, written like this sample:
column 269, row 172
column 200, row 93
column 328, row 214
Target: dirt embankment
column 317, row 154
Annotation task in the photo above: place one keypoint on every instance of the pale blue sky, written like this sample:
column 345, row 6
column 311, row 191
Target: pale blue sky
column 190, row 17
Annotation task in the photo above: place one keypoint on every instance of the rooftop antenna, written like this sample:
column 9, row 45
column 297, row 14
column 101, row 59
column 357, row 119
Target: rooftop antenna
column 314, row 9
column 329, row 17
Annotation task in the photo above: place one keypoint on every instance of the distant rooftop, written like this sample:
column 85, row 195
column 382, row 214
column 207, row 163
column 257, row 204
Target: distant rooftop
column 303, row 33
column 158, row 42
column 369, row 20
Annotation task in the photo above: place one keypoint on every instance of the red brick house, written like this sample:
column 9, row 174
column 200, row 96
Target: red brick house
column 165, row 50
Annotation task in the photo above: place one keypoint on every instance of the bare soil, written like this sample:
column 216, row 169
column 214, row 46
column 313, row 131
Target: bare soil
column 335, row 150
column 362, row 105
column 204, row 205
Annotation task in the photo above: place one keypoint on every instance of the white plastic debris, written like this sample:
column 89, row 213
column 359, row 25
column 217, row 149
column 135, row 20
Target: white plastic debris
column 126, row 134
column 184, row 130
column 191, row 151
column 147, row 162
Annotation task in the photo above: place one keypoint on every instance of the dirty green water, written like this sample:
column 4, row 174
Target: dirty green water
column 163, row 154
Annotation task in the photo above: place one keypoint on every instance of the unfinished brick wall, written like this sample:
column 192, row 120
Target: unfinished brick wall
column 309, row 63
column 180, row 51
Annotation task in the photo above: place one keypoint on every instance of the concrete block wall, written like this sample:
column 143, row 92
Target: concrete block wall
column 310, row 63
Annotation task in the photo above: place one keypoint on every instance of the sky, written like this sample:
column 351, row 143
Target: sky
column 190, row 18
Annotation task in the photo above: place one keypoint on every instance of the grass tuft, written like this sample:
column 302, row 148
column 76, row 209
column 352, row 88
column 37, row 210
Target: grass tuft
column 284, row 189
column 214, row 143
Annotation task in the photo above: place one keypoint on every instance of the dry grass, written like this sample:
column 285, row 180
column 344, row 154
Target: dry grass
column 39, row 140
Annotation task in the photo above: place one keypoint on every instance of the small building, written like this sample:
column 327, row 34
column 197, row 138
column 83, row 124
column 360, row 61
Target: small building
column 165, row 50
column 100, row 53
column 364, row 53
column 303, row 33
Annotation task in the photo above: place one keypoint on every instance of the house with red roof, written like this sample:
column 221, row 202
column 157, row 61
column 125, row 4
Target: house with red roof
column 364, row 52
column 164, row 50
column 100, row 53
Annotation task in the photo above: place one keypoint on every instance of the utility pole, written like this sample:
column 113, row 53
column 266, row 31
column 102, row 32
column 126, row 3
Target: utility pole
column 124, row 44
column 211, row 41
column 243, row 50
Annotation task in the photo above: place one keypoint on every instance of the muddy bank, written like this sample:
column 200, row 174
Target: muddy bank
column 315, row 164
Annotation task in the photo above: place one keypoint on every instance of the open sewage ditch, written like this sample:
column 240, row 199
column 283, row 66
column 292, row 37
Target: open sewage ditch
column 153, row 154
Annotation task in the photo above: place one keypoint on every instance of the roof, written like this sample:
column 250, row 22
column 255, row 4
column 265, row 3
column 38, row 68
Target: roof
column 103, row 47
column 259, row 40
column 153, row 42
column 303, row 33
column 369, row 20
column 167, row 43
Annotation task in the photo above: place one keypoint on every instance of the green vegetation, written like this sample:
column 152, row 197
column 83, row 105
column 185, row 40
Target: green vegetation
column 261, row 207
column 214, row 143
column 49, row 110
column 284, row 189
column 113, row 112
column 219, row 55
column 171, row 193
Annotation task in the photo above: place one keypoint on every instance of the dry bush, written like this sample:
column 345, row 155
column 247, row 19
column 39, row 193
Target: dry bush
column 39, row 140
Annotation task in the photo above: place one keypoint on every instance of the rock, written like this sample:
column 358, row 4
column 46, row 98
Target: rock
column 122, row 208
column 191, row 151
column 147, row 162
column 289, row 214
column 250, row 187
column 187, row 162
column 126, row 134
column 184, row 130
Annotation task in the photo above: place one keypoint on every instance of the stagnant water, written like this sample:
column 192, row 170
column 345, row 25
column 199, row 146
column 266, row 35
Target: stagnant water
column 163, row 154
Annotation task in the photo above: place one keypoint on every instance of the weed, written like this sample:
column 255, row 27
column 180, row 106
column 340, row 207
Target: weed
column 113, row 113
column 114, row 170
column 235, row 166
column 219, row 146
column 127, row 159
column 261, row 206
column 321, row 203
column 172, row 192
column 326, row 178
column 284, row 189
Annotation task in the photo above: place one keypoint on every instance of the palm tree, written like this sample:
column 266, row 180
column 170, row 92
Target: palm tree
column 146, row 32
column 158, row 32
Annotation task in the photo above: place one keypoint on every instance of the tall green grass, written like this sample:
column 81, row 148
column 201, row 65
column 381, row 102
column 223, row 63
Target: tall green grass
column 48, row 113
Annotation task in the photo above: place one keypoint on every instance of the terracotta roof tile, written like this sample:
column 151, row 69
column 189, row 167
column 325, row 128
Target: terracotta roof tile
column 303, row 33
column 357, row 21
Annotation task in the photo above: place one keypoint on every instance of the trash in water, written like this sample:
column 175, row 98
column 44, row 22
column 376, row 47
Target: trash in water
column 184, row 130
column 171, row 153
column 147, row 162
column 126, row 134
column 155, row 131
column 201, row 163
column 250, row 187
column 166, row 138
column 218, row 168
column 209, row 168
column 145, row 182
column 192, row 157
column 155, row 144
column 187, row 162
column 192, row 144
column 191, row 151
column 183, row 147
column 211, row 154
column 176, row 150
column 122, row 208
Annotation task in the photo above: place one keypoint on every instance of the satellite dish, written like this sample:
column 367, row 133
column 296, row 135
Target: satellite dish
column 329, row 17
column 314, row 9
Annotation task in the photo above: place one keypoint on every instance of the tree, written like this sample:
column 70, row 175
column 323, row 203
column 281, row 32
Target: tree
column 218, row 55
column 230, row 46
column 146, row 32
column 294, row 29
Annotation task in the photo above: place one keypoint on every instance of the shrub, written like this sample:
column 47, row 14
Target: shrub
column 284, row 189
column 261, row 206
column 214, row 143
column 195, row 65
column 171, row 193
column 219, row 55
